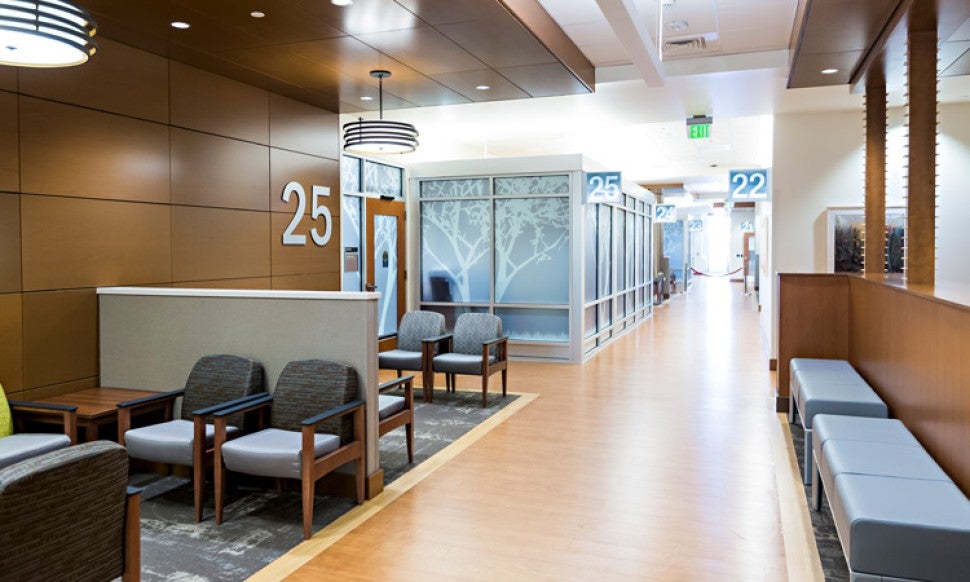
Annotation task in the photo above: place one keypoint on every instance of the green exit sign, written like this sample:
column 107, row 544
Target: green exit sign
column 699, row 131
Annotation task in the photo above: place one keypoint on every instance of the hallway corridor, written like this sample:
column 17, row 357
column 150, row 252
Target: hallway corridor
column 652, row 461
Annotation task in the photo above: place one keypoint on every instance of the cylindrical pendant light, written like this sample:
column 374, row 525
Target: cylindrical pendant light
column 379, row 136
column 45, row 33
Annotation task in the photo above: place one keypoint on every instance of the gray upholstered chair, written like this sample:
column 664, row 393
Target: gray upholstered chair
column 418, row 338
column 216, row 381
column 23, row 445
column 70, row 515
column 316, row 424
column 476, row 347
column 395, row 411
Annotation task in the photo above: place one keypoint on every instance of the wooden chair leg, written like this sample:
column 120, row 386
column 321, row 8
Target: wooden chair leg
column 505, row 379
column 219, row 484
column 428, row 387
column 359, row 471
column 307, row 485
column 198, row 488
column 279, row 484
column 409, row 432
column 484, row 390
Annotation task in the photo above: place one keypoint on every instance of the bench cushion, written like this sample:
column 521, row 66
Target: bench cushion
column 858, row 428
column 818, row 363
column 886, row 459
column 850, row 397
column 903, row 528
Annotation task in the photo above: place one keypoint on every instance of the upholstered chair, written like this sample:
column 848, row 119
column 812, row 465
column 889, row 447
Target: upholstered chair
column 477, row 348
column 216, row 381
column 418, row 338
column 17, row 445
column 396, row 411
column 70, row 515
column 315, row 422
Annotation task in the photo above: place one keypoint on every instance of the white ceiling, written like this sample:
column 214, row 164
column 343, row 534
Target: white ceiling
column 640, row 129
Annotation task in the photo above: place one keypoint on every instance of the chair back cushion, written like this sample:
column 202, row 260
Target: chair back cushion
column 218, row 378
column 473, row 329
column 416, row 326
column 308, row 387
column 6, row 418
column 63, row 514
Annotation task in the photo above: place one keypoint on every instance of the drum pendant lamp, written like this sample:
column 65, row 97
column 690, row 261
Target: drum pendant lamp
column 379, row 136
column 45, row 33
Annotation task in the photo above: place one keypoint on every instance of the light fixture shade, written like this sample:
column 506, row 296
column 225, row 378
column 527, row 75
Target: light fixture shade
column 45, row 33
column 380, row 136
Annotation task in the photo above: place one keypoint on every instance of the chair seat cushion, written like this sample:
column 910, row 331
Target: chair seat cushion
column 453, row 363
column 21, row 446
column 389, row 405
column 167, row 442
column 399, row 360
column 273, row 452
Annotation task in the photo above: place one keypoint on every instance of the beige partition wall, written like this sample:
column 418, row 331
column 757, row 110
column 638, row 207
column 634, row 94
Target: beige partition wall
column 151, row 337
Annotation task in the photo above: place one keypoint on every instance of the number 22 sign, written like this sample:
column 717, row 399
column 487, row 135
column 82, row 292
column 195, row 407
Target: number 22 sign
column 749, row 186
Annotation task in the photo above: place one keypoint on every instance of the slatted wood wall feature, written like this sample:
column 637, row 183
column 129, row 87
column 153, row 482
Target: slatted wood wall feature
column 812, row 315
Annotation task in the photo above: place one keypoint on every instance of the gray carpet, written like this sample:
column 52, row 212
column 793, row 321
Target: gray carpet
column 826, row 538
column 261, row 525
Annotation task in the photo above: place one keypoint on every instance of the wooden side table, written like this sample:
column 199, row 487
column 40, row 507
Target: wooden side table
column 98, row 406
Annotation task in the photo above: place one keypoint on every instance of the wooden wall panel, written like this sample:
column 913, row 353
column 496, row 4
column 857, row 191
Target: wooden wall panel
column 312, row 282
column 8, row 78
column 812, row 322
column 308, row 258
column 9, row 148
column 210, row 243
column 286, row 166
column 10, row 243
column 71, row 151
column 297, row 126
column 60, row 336
column 119, row 79
column 208, row 170
column 70, row 243
column 215, row 104
column 252, row 283
column 912, row 349
column 60, row 388
column 11, row 338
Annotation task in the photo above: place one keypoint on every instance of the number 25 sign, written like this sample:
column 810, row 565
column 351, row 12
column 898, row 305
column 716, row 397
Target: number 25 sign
column 317, row 210
column 749, row 186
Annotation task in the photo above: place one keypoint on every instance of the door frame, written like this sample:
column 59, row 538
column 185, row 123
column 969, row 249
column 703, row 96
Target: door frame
column 382, row 207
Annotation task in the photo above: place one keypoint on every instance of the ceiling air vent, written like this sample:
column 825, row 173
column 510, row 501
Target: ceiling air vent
column 683, row 45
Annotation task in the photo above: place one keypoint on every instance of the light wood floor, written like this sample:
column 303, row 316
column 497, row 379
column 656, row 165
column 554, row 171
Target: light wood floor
column 658, row 459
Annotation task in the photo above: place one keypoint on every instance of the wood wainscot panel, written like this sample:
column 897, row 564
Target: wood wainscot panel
column 213, row 243
column 62, row 388
column 120, row 79
column 286, row 166
column 8, row 78
column 255, row 283
column 813, row 322
column 303, row 128
column 11, row 338
column 208, row 102
column 71, row 151
column 912, row 350
column 70, row 243
column 208, row 170
column 60, row 337
column 9, row 145
column 311, row 282
column 308, row 257
column 10, row 243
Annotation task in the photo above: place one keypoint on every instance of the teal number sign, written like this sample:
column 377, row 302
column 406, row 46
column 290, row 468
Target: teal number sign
column 603, row 188
column 749, row 186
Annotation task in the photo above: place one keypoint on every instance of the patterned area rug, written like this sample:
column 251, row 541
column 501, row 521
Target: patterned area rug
column 826, row 538
column 261, row 525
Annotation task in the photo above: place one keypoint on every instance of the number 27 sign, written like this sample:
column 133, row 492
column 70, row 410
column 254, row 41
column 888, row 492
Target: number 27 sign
column 749, row 186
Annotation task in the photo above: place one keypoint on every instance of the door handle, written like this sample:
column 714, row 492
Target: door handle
column 370, row 287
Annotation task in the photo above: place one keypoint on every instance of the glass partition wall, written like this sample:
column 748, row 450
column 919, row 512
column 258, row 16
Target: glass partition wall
column 565, row 277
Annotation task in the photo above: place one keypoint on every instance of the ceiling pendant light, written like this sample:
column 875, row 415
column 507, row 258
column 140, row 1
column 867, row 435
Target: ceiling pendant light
column 379, row 136
column 45, row 33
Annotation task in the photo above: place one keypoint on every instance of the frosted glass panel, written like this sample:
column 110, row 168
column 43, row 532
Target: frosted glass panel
column 350, row 241
column 605, row 318
column 385, row 272
column 638, row 245
column 538, row 325
column 631, row 245
column 589, row 321
column 349, row 174
column 630, row 303
column 454, row 188
column 618, row 239
column 589, row 251
column 604, row 251
column 455, row 245
column 532, row 250
column 383, row 180
column 531, row 185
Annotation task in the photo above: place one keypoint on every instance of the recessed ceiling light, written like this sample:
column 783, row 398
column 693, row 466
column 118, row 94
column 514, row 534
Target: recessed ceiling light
column 829, row 71
column 341, row 2
column 483, row 87
column 677, row 25
column 366, row 98
column 257, row 14
column 180, row 25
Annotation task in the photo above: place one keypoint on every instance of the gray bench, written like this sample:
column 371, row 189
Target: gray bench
column 898, row 515
column 828, row 387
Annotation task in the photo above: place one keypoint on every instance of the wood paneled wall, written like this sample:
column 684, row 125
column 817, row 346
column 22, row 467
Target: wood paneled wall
column 136, row 170
column 911, row 346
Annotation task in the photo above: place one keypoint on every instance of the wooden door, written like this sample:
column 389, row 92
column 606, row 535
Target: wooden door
column 386, row 260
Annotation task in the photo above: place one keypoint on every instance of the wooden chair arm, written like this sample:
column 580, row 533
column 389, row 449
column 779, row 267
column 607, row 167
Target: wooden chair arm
column 153, row 399
column 210, row 410
column 67, row 412
column 335, row 412
column 396, row 383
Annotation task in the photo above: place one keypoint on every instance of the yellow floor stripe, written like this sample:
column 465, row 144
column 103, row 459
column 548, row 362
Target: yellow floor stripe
column 301, row 554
